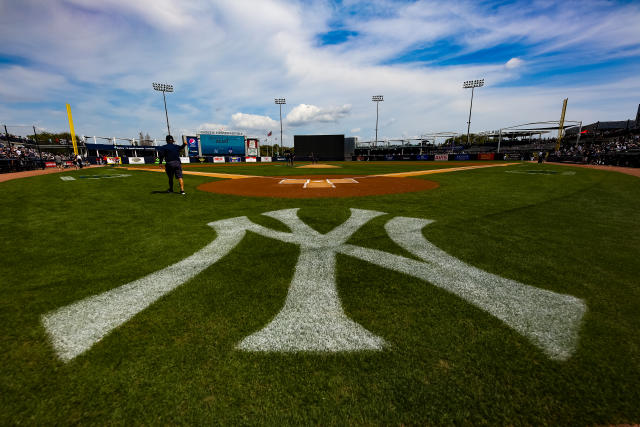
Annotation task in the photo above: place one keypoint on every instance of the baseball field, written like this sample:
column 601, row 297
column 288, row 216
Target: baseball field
column 363, row 293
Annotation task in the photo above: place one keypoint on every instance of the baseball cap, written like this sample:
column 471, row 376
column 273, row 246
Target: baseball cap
column 169, row 138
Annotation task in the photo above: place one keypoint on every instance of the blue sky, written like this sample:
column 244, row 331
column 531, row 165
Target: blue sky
column 228, row 60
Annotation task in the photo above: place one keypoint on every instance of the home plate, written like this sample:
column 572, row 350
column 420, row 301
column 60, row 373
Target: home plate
column 319, row 183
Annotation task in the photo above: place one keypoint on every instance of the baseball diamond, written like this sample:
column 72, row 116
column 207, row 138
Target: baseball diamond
column 425, row 288
column 320, row 212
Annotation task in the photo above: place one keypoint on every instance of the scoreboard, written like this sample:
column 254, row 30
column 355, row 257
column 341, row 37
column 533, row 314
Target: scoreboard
column 323, row 147
column 222, row 144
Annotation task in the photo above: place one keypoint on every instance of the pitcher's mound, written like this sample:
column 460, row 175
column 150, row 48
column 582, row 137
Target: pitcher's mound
column 316, row 186
column 317, row 166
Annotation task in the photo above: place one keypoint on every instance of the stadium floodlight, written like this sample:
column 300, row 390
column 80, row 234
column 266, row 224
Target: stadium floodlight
column 377, row 99
column 466, row 85
column 162, row 87
column 280, row 102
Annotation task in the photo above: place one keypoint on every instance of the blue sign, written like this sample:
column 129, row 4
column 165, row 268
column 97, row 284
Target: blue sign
column 388, row 157
column 192, row 143
column 462, row 157
column 235, row 159
column 422, row 157
column 222, row 144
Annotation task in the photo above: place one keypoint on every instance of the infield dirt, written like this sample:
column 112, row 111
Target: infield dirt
column 364, row 186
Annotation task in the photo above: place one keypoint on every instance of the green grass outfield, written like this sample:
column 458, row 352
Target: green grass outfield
column 446, row 361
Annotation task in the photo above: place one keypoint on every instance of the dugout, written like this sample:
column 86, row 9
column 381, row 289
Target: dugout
column 323, row 147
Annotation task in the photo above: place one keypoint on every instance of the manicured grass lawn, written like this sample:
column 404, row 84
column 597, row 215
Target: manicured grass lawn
column 446, row 361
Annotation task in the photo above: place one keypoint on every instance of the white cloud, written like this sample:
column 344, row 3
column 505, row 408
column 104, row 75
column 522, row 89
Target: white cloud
column 306, row 114
column 253, row 122
column 20, row 84
column 514, row 63
column 228, row 59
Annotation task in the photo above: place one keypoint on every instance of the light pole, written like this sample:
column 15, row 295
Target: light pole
column 466, row 85
column 280, row 101
column 161, row 87
column 377, row 99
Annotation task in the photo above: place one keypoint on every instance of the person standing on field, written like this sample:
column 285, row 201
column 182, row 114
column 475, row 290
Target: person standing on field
column 171, row 153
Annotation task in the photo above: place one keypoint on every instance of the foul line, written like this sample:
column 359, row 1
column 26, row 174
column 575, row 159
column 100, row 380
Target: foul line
column 445, row 170
column 187, row 172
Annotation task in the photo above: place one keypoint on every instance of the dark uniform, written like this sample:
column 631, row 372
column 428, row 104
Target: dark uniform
column 171, row 153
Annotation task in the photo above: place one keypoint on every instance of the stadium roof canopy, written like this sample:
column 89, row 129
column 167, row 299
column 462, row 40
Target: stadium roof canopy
column 528, row 129
column 516, row 132
column 608, row 126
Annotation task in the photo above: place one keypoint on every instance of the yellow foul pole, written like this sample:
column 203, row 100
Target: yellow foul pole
column 73, row 132
column 561, row 124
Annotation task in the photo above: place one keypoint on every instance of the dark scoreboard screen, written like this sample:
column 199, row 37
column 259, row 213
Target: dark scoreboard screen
column 324, row 147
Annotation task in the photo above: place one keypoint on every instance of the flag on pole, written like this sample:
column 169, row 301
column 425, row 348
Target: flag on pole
column 269, row 134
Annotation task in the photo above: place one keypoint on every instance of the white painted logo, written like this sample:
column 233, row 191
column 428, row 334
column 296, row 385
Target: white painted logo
column 312, row 318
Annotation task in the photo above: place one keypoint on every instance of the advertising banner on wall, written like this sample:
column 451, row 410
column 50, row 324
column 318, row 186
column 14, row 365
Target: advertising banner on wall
column 441, row 157
column 265, row 159
column 218, row 159
column 50, row 164
column 252, row 147
column 235, row 159
column 486, row 156
column 388, row 157
column 114, row 161
column 192, row 144
column 422, row 157
column 462, row 157
column 250, row 159
column 136, row 160
column 184, row 160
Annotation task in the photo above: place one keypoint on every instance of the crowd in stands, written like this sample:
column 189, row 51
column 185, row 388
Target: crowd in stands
column 17, row 158
column 618, row 151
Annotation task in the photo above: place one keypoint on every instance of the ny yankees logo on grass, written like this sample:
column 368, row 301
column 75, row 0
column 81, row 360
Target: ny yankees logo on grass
column 312, row 318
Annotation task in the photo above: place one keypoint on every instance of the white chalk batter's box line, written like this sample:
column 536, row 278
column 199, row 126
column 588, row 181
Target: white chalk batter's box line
column 318, row 183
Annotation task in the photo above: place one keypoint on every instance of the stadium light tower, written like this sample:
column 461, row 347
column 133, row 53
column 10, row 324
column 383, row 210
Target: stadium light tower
column 466, row 85
column 161, row 87
column 377, row 99
column 280, row 101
